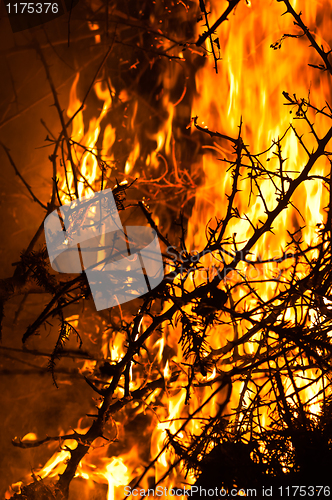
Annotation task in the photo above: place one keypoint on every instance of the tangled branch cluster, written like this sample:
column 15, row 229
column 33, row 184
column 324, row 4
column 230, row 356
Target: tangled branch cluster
column 278, row 348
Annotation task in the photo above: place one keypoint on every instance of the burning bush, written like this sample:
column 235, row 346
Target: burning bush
column 220, row 376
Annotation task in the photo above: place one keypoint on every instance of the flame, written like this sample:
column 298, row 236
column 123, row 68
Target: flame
column 95, row 27
column 247, row 87
column 249, row 84
column 87, row 159
column 116, row 475
column 56, row 464
column 31, row 436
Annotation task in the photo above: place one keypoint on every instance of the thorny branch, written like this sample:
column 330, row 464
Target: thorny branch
column 222, row 18
column 209, row 34
column 319, row 49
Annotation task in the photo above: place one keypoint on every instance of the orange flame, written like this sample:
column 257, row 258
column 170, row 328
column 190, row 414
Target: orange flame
column 247, row 87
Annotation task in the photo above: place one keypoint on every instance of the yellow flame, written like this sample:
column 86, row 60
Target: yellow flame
column 116, row 475
column 31, row 436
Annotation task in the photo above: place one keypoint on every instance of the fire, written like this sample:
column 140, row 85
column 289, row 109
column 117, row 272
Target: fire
column 56, row 464
column 31, row 436
column 247, row 90
column 116, row 475
column 86, row 152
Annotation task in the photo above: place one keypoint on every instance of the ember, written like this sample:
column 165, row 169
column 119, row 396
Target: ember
column 211, row 124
